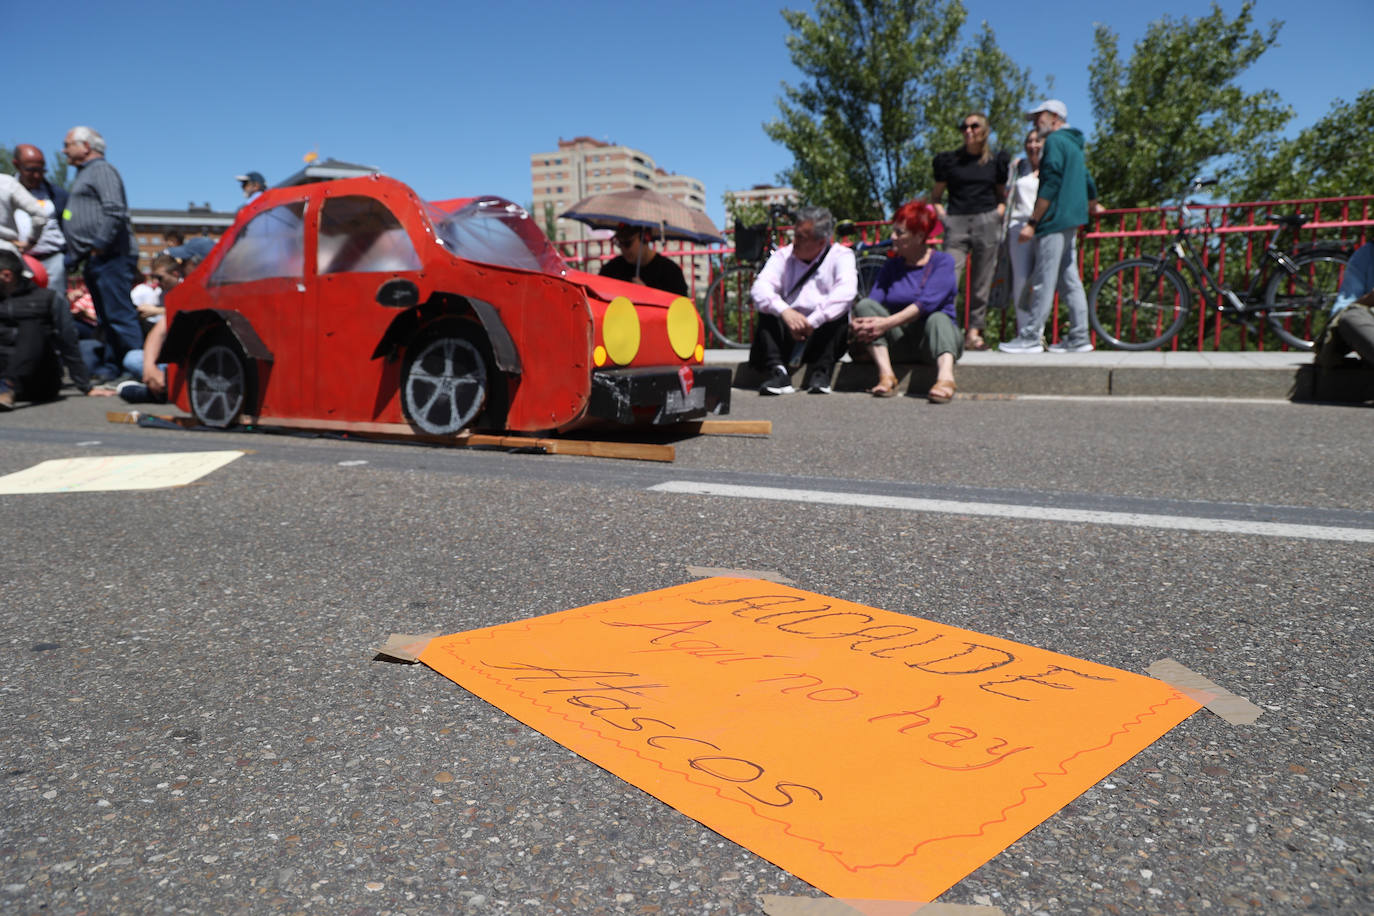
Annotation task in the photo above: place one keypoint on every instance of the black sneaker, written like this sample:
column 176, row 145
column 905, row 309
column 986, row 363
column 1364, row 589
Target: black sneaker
column 778, row 382
column 819, row 383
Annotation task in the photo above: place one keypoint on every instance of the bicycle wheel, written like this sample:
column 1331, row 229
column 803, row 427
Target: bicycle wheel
column 1297, row 305
column 729, row 310
column 1138, row 304
column 868, row 267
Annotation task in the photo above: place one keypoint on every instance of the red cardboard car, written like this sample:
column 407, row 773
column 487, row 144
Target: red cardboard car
column 354, row 304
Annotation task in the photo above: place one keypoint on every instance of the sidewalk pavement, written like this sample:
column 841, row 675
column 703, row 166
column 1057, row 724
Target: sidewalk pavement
column 1265, row 375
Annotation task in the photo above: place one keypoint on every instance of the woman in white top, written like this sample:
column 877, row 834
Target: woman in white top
column 1024, row 183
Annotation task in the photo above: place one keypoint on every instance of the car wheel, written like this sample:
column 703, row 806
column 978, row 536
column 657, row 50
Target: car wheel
column 444, row 386
column 221, row 382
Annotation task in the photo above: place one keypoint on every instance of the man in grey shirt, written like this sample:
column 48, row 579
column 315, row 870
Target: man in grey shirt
column 99, row 232
column 51, row 247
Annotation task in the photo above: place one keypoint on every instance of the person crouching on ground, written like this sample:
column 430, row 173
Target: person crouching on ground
column 34, row 328
column 909, row 313
column 803, row 296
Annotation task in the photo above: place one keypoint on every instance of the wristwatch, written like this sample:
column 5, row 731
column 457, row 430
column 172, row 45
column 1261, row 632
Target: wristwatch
column 1032, row 222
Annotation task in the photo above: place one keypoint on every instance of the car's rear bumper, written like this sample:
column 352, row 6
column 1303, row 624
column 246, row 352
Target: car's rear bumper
column 658, row 395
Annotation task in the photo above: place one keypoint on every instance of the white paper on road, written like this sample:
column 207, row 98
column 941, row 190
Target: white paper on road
column 1034, row 513
column 115, row 472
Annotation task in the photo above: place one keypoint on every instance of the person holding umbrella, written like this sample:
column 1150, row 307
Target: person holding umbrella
column 639, row 263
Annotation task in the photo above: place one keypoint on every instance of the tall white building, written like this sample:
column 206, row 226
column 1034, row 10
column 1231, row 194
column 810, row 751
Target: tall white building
column 584, row 166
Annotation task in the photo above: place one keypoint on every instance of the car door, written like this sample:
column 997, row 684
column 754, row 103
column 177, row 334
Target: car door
column 359, row 245
column 262, row 276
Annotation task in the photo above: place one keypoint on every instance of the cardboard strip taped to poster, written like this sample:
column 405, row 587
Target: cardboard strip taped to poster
column 875, row 755
column 1232, row 709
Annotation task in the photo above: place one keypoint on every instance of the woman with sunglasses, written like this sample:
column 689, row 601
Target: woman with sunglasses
column 973, row 175
column 908, row 316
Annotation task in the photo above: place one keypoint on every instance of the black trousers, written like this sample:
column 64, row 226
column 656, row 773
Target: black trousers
column 774, row 346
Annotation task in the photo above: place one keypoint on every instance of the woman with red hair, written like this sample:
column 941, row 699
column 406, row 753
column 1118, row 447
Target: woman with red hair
column 910, row 309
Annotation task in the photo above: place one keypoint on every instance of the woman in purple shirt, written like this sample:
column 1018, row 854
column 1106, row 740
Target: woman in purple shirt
column 909, row 313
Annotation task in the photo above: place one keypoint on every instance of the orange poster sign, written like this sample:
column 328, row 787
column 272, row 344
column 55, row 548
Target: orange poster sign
column 873, row 754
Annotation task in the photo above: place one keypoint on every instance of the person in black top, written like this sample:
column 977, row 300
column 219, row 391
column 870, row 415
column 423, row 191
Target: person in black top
column 639, row 263
column 975, row 176
column 35, row 328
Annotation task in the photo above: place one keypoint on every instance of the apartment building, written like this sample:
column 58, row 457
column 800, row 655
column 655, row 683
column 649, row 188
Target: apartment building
column 584, row 166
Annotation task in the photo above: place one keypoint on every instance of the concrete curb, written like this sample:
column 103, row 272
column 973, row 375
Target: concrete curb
column 1269, row 376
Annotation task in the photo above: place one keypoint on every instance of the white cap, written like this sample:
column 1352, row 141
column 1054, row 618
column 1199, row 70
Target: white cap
column 1054, row 106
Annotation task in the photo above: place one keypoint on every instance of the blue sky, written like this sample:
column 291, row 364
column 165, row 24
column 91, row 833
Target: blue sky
column 454, row 97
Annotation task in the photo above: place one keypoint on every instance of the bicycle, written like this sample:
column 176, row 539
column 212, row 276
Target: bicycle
column 729, row 307
column 869, row 260
column 1142, row 303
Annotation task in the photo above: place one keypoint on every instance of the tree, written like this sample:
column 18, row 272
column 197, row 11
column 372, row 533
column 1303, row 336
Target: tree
column 1174, row 110
column 744, row 213
column 1332, row 158
column 885, row 84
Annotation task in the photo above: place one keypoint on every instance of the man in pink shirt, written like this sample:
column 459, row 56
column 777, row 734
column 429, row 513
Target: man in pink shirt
column 803, row 295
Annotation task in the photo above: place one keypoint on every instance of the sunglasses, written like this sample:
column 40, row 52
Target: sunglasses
column 971, row 125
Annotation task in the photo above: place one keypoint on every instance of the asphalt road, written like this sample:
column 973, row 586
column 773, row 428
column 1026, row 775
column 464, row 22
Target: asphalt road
column 196, row 723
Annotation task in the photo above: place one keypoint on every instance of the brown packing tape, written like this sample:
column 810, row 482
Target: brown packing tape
column 710, row 572
column 406, row 647
column 774, row 905
column 1232, row 709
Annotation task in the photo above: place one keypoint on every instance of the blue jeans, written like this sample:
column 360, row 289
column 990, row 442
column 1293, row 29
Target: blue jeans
column 1056, row 268
column 109, row 278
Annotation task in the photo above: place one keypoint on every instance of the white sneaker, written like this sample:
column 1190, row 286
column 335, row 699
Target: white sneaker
column 1065, row 347
column 1017, row 345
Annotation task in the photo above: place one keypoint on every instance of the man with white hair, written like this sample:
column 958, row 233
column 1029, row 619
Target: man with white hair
column 100, row 233
column 1066, row 196
column 803, row 295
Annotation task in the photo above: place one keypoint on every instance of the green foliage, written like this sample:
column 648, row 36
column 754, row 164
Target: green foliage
column 1332, row 158
column 885, row 82
column 59, row 173
column 745, row 213
column 1173, row 110
column 6, row 161
column 550, row 221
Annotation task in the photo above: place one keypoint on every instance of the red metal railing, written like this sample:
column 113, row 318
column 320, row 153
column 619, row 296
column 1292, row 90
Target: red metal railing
column 1231, row 237
column 1230, row 240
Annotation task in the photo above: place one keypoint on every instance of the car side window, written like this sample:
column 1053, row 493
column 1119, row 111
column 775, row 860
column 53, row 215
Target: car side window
column 271, row 244
column 360, row 234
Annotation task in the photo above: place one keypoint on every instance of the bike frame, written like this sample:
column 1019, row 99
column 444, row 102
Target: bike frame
column 1224, row 298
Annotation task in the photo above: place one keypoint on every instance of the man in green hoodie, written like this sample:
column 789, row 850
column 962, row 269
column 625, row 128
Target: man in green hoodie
column 1067, row 195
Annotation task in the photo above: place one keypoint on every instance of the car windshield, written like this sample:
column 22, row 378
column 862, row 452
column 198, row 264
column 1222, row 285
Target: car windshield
column 496, row 231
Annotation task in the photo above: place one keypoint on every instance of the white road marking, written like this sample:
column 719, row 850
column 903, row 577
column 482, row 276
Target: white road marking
column 1033, row 513
column 1148, row 399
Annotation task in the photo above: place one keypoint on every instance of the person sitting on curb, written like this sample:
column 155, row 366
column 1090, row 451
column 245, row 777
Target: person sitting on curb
column 34, row 328
column 1352, row 321
column 803, row 295
column 910, row 309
